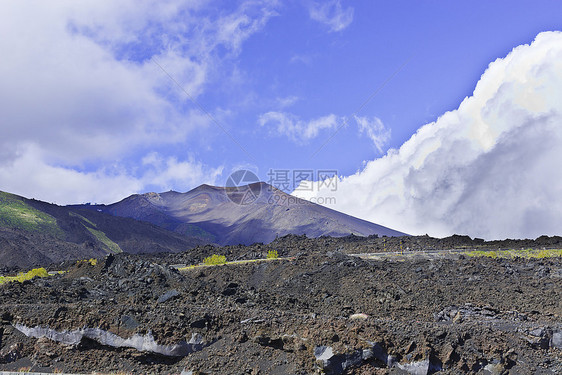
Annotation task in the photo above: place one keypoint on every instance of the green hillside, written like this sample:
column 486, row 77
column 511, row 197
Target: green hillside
column 15, row 213
column 35, row 233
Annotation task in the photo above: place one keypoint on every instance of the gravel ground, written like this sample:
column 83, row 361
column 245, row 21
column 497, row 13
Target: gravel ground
column 323, row 311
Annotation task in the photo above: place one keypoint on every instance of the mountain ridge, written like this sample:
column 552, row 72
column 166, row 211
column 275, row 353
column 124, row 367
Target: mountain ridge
column 246, row 214
column 33, row 232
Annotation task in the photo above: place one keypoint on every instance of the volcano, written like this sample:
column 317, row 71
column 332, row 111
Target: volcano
column 247, row 214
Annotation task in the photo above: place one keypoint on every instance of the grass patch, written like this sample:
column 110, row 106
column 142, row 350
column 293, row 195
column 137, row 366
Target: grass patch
column 15, row 213
column 21, row 277
column 188, row 267
column 512, row 253
column 233, row 263
column 74, row 214
column 111, row 246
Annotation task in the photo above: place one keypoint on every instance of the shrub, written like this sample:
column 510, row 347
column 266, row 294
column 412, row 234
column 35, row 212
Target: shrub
column 21, row 277
column 214, row 260
column 92, row 261
column 528, row 253
column 272, row 254
column 549, row 253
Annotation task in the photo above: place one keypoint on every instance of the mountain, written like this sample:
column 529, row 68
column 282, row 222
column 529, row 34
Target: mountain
column 240, row 215
column 38, row 233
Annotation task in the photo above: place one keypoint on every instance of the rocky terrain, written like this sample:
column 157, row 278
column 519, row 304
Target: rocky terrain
column 295, row 245
column 318, row 311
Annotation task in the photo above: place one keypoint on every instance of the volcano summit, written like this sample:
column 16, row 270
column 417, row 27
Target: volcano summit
column 240, row 215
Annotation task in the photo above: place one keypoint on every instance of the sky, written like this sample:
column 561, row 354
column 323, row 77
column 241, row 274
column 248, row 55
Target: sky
column 436, row 117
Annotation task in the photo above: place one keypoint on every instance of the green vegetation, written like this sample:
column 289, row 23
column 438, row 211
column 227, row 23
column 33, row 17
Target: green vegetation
column 82, row 218
column 21, row 277
column 15, row 213
column 214, row 260
column 188, row 267
column 217, row 260
column 92, row 261
column 272, row 254
column 512, row 253
column 111, row 246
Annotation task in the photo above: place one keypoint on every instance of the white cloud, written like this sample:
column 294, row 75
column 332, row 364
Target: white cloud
column 303, row 59
column 287, row 101
column 332, row 14
column 237, row 27
column 491, row 168
column 301, row 131
column 79, row 86
column 295, row 129
column 31, row 177
column 166, row 173
column 375, row 130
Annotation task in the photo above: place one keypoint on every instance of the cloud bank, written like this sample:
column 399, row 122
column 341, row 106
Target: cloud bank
column 491, row 168
column 29, row 176
column 80, row 90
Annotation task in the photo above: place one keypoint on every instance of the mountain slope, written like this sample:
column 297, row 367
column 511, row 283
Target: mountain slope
column 245, row 215
column 38, row 233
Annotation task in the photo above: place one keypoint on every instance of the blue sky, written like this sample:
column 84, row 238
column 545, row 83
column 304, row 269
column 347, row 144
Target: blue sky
column 446, row 49
column 294, row 58
column 95, row 104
